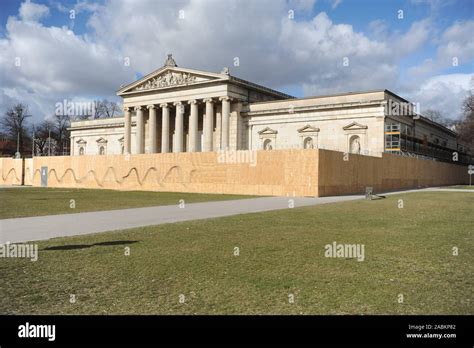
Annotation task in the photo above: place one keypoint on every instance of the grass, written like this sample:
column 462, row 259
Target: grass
column 408, row 251
column 36, row 201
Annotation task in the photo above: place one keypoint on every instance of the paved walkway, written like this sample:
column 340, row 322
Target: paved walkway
column 52, row 226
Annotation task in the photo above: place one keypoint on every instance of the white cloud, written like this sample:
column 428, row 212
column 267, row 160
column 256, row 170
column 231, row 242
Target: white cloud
column 273, row 50
column 378, row 29
column 30, row 11
column 455, row 46
column 335, row 3
column 444, row 93
column 302, row 5
column 55, row 64
column 416, row 36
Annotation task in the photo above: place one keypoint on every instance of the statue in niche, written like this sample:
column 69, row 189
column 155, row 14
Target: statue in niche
column 355, row 145
column 308, row 143
column 268, row 145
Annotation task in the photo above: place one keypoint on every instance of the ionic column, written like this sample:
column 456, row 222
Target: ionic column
column 152, row 125
column 193, row 126
column 178, row 128
column 208, row 125
column 128, row 131
column 225, row 122
column 140, row 130
column 165, row 128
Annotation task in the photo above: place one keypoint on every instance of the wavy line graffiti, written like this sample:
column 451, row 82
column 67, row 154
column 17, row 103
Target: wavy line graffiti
column 175, row 171
column 4, row 178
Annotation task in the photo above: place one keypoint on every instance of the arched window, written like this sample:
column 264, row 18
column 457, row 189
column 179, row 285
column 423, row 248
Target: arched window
column 354, row 144
column 308, row 143
column 122, row 149
column 81, row 151
column 101, row 150
column 267, row 144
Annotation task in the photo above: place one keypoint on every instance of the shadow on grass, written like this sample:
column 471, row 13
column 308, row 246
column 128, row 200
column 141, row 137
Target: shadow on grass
column 85, row 246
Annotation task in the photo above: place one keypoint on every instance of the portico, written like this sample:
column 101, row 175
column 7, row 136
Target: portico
column 184, row 110
column 193, row 125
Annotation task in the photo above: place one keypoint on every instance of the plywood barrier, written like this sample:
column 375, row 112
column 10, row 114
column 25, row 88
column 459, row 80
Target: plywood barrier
column 11, row 171
column 279, row 173
column 28, row 169
column 276, row 172
column 341, row 173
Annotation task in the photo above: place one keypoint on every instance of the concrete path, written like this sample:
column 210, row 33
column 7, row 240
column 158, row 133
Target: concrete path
column 52, row 226
column 448, row 189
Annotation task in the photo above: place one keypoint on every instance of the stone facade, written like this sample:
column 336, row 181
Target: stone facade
column 183, row 110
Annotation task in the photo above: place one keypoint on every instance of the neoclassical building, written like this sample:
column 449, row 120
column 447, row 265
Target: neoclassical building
column 176, row 109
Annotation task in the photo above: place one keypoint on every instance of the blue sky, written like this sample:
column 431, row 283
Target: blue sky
column 82, row 58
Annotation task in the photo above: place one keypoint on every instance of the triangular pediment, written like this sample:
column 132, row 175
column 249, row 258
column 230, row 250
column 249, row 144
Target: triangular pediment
column 308, row 129
column 170, row 77
column 267, row 130
column 101, row 140
column 81, row 142
column 354, row 125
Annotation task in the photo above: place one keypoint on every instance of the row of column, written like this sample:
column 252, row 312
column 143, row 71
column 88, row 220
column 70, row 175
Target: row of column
column 208, row 126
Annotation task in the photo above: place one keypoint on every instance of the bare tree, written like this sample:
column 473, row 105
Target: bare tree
column 61, row 123
column 14, row 125
column 466, row 126
column 106, row 109
column 468, row 105
column 42, row 133
column 437, row 116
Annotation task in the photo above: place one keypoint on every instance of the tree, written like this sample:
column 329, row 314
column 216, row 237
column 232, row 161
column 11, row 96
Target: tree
column 42, row 132
column 14, row 125
column 438, row 117
column 465, row 128
column 61, row 124
column 106, row 109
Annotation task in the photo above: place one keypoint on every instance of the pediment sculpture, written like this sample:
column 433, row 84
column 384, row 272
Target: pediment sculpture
column 166, row 80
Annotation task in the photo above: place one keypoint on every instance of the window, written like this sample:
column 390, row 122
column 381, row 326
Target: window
column 392, row 141
column 81, row 151
column 122, row 149
column 101, row 150
column 392, row 127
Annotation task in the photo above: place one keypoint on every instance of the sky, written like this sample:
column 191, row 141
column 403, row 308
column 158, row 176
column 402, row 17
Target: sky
column 81, row 50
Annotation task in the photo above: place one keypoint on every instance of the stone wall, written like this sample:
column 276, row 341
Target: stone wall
column 277, row 172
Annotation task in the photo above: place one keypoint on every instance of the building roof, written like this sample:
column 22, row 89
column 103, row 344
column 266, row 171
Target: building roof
column 210, row 77
column 171, row 66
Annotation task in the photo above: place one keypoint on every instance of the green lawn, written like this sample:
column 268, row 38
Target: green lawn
column 36, row 201
column 408, row 251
